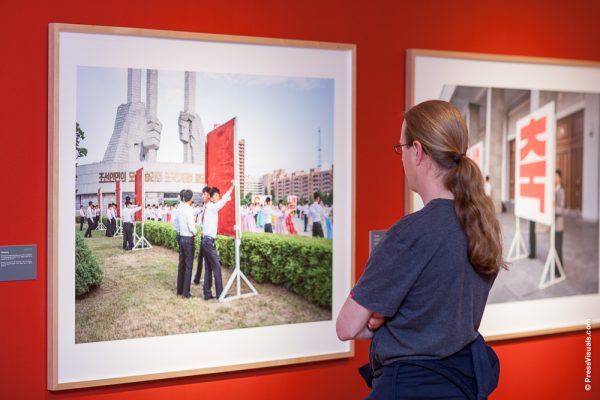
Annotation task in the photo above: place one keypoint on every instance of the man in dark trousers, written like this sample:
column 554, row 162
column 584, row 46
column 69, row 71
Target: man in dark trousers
column 205, row 200
column 267, row 213
column 89, row 214
column 209, row 236
column 316, row 212
column 81, row 217
column 187, row 234
column 128, row 221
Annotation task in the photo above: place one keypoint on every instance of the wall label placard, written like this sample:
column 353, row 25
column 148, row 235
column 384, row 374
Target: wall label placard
column 18, row 263
column 374, row 239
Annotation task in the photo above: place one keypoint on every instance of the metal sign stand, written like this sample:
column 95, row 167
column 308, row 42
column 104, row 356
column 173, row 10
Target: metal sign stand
column 101, row 226
column 140, row 240
column 119, row 231
column 553, row 264
column 237, row 274
column 517, row 250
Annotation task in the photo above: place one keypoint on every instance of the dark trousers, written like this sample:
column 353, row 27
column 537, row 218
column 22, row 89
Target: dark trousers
column 471, row 373
column 531, row 239
column 184, row 271
column 558, row 241
column 81, row 221
column 113, row 227
column 199, row 268
column 88, row 232
column 127, row 235
column 213, row 267
column 305, row 222
column 268, row 228
column 96, row 222
column 317, row 229
column 109, row 228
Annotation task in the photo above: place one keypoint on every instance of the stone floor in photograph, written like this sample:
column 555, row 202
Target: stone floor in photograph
column 580, row 253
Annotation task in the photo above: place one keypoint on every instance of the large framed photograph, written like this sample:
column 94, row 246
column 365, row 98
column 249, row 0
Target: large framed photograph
column 534, row 132
column 140, row 122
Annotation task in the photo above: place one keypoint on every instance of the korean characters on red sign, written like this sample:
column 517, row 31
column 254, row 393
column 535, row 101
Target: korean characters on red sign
column 535, row 161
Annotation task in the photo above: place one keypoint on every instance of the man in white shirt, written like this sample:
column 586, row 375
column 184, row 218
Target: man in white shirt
column 81, row 217
column 114, row 220
column 187, row 233
column 109, row 220
column 97, row 216
column 175, row 222
column 89, row 215
column 305, row 215
column 205, row 200
column 267, row 213
column 315, row 212
column 174, row 219
column 128, row 218
column 209, row 235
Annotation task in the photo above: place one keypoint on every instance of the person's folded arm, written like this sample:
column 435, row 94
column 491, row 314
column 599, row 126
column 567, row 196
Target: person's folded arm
column 352, row 321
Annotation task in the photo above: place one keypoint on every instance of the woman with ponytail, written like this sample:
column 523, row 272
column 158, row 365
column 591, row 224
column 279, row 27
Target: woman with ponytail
column 424, row 289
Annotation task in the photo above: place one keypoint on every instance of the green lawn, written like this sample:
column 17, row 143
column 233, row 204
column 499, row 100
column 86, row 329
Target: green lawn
column 137, row 299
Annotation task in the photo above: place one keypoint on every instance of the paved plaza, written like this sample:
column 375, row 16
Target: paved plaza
column 580, row 252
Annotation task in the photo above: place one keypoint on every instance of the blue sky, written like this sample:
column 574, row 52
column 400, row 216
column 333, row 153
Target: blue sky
column 277, row 116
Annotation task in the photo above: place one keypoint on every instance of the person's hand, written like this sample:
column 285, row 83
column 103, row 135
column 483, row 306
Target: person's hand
column 233, row 182
column 375, row 321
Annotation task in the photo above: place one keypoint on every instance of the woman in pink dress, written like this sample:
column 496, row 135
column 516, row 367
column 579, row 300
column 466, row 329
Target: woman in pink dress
column 244, row 218
column 280, row 215
column 289, row 223
column 250, row 222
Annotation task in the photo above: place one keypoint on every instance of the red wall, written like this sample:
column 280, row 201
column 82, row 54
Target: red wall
column 542, row 368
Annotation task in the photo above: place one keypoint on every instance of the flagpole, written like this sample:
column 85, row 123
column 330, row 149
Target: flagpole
column 237, row 273
column 100, row 226
column 238, row 233
column 141, row 241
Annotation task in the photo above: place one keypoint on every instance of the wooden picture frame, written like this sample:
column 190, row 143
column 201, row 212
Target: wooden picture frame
column 75, row 365
column 433, row 74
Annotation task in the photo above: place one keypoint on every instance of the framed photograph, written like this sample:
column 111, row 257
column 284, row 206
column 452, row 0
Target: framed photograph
column 136, row 118
column 527, row 117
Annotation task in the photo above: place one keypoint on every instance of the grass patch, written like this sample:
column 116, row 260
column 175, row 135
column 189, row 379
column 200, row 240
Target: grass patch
column 137, row 299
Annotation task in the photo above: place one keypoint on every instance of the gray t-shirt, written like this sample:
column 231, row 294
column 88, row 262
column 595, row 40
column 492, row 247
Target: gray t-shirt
column 420, row 278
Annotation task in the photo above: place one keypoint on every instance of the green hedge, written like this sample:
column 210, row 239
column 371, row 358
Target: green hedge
column 300, row 264
column 87, row 268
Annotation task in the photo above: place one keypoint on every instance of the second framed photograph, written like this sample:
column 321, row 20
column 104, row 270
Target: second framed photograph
column 193, row 226
column 534, row 132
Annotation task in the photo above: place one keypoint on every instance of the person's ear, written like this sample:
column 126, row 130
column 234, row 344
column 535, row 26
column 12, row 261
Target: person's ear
column 419, row 154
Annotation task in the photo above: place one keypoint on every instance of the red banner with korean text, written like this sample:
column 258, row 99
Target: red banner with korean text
column 99, row 199
column 535, row 161
column 139, row 193
column 220, row 170
column 118, row 197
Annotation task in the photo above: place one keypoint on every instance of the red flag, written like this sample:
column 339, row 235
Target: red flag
column 100, row 199
column 139, row 192
column 220, row 170
column 118, row 197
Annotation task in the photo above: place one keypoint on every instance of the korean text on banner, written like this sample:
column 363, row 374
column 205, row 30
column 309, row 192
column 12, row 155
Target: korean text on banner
column 139, row 192
column 220, row 170
column 535, row 163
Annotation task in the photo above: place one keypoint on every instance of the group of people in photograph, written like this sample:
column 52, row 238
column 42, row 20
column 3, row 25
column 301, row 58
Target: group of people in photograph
column 185, row 219
column 280, row 219
column 190, row 219
column 91, row 215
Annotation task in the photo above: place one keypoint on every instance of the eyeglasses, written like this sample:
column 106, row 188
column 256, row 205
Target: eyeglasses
column 398, row 147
